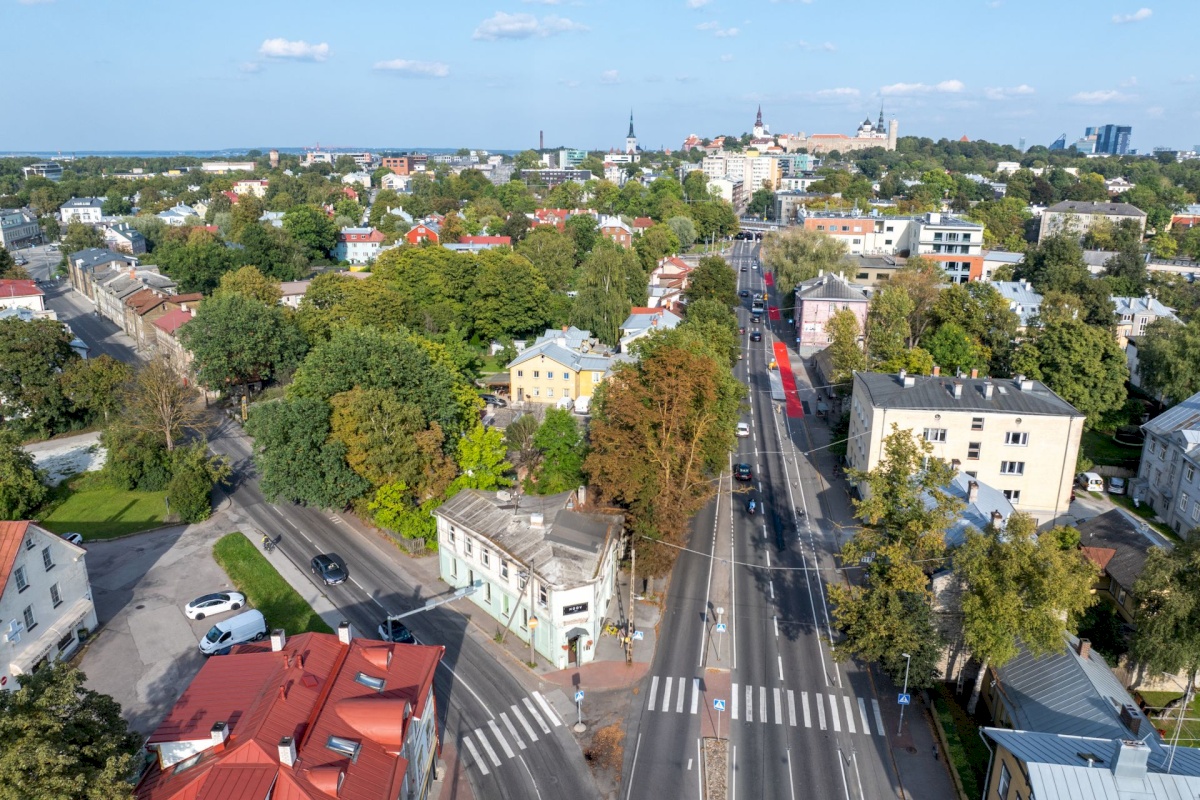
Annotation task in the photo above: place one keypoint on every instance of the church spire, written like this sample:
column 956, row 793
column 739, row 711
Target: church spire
column 631, row 135
column 880, row 128
column 758, row 119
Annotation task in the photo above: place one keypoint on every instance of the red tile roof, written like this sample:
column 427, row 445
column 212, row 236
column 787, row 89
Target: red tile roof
column 13, row 288
column 505, row 240
column 642, row 222
column 143, row 301
column 307, row 691
column 190, row 297
column 233, row 196
column 173, row 320
column 11, row 536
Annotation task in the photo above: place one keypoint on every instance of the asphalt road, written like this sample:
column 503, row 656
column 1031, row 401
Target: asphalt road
column 523, row 750
column 101, row 335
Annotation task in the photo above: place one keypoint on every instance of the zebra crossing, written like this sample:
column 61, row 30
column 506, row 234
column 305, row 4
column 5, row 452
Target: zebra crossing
column 770, row 706
column 513, row 728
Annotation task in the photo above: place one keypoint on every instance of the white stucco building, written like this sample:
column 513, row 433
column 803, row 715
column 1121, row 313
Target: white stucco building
column 87, row 210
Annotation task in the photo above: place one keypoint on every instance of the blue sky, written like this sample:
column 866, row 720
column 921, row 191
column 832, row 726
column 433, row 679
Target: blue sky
column 147, row 74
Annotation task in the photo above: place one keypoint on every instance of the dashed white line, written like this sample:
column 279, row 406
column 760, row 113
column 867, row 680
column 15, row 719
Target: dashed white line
column 653, row 691
column 780, row 667
column 775, row 619
column 695, row 695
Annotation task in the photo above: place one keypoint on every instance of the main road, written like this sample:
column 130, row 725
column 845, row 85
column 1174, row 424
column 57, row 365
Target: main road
column 513, row 742
column 799, row 724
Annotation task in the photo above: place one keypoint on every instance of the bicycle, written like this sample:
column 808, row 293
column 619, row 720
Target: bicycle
column 268, row 543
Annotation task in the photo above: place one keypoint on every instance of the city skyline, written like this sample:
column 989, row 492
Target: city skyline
column 497, row 74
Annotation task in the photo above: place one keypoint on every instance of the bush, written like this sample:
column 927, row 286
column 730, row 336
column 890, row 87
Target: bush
column 190, row 486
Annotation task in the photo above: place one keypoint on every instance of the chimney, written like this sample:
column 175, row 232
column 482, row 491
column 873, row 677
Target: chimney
column 997, row 520
column 345, row 632
column 581, row 493
column 1025, row 384
column 957, row 390
column 988, row 388
column 278, row 640
column 936, row 370
column 1084, row 648
column 1130, row 718
column 974, row 374
column 972, row 491
column 910, row 381
column 902, row 373
column 935, row 218
column 1129, row 760
column 537, row 520
column 219, row 733
column 287, row 751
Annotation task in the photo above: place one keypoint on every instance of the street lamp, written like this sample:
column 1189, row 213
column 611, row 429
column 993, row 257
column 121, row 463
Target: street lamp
column 907, row 663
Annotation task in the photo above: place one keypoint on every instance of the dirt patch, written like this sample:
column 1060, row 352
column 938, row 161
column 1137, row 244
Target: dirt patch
column 716, row 769
column 607, row 748
column 603, row 743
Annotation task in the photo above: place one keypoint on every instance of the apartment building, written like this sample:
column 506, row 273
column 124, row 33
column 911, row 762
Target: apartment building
column 1078, row 217
column 1014, row 435
column 87, row 210
column 18, row 228
column 255, row 186
column 49, row 170
column 817, row 300
column 1169, row 471
column 569, row 363
column 1135, row 313
column 358, row 245
column 547, row 566
column 956, row 244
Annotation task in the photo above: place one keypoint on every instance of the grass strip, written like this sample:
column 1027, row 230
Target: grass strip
column 264, row 587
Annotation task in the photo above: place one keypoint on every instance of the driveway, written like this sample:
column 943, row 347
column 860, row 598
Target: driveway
column 145, row 651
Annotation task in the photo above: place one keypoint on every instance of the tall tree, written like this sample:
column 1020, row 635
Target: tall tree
column 32, row 356
column 482, row 461
column 21, row 487
column 95, row 384
column 583, row 230
column 80, row 237
column 797, row 254
column 1081, row 362
column 952, row 348
column 921, row 279
column 684, row 229
column 157, row 402
column 605, row 290
column 712, row 279
column 654, row 245
column 845, row 348
column 519, row 438
column 309, row 226
column 511, row 297
column 236, row 339
column 1167, row 619
column 59, row 739
column 563, row 449
column 250, row 283
column 1169, row 358
column 553, row 254
column 888, row 328
column 9, row 271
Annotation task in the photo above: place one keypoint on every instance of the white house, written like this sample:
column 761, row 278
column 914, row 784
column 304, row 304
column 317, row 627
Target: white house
column 358, row 245
column 397, row 183
column 254, row 186
column 179, row 216
column 22, row 294
column 546, row 565
column 46, row 605
column 82, row 209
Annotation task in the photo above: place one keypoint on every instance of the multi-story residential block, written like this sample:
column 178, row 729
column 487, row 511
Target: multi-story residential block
column 111, row 289
column 22, row 294
column 548, row 566
column 553, row 177
column 1077, row 217
column 307, row 717
column 124, row 238
column 873, row 271
column 1169, row 471
column 1135, row 313
column 84, row 265
column 397, row 183
column 1022, row 299
column 166, row 340
column 817, row 300
column 956, row 244
column 49, row 170
column 18, row 228
column 255, row 186
column 616, row 231
column 405, row 165
column 222, row 167
column 358, row 245
column 1015, row 435
column 87, row 210
column 560, row 364
column 46, row 607
column 362, row 179
column 180, row 215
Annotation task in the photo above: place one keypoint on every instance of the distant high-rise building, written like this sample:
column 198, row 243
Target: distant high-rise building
column 1060, row 143
column 1021, row 144
column 1112, row 140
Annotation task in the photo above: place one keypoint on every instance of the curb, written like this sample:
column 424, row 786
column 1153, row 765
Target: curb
column 945, row 745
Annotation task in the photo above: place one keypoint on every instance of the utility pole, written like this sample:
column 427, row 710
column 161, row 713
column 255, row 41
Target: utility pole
column 907, row 663
column 629, row 625
column 533, row 620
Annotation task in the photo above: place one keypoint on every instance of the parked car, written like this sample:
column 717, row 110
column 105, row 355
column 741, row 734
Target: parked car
column 744, row 293
column 495, row 400
column 249, row 626
column 743, row 429
column 216, row 603
column 743, row 269
column 397, row 633
column 330, row 569
column 742, row 472
column 1117, row 485
column 73, row 538
column 756, row 336
column 1090, row 482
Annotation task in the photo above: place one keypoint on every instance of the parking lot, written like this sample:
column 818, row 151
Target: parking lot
column 145, row 651
column 42, row 261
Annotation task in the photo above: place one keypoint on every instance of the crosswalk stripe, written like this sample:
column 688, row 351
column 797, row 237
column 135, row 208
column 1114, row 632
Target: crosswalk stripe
column 508, row 724
column 807, row 717
column 762, row 704
column 749, row 704
column 849, row 715
column 878, row 717
column 667, row 694
column 682, row 696
column 778, row 709
column 862, row 710
column 695, row 695
column 475, row 755
column 550, row 714
column 487, row 746
column 733, row 696
column 516, row 709
column 791, row 708
column 529, row 705
column 508, row 751
column 833, row 713
column 653, row 691
column 820, row 710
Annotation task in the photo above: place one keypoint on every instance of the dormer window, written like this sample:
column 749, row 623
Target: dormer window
column 347, row 747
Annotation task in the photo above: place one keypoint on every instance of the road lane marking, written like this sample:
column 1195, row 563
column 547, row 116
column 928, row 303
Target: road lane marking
column 849, row 715
column 778, row 708
column 780, row 667
column 508, row 751
column 733, row 696
column 833, row 713
column 653, row 691
column 820, row 701
column 749, row 704
column 487, row 746
column 768, row 552
column 695, row 694
column 862, row 710
column 475, row 755
column 791, row 707
column 775, row 619
column 682, row 696
column 516, row 709
column 770, row 584
column 637, row 749
column 550, row 713
column 762, row 704
column 666, row 706
column 511, row 729
column 533, row 711
column 878, row 717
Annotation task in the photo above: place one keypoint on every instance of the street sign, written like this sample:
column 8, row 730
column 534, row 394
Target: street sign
column 718, row 705
column 720, row 627
column 579, row 696
column 904, row 699
column 638, row 636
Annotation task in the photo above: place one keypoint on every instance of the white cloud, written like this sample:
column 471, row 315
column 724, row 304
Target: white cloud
column 726, row 33
column 610, row 76
column 950, row 86
column 727, row 57
column 1100, row 97
column 1137, row 16
column 299, row 51
column 1006, row 92
column 945, row 87
column 523, row 26
column 828, row 47
column 708, row 26
column 1130, row 81
column 841, row 91
column 250, row 66
column 697, row 3
column 415, row 69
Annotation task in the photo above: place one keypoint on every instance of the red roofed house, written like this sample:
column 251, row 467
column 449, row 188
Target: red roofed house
column 424, row 231
column 312, row 716
column 550, row 216
column 353, row 195
column 233, row 197
column 166, row 339
column 614, row 229
column 45, row 599
column 642, row 224
column 22, row 294
column 668, row 280
column 358, row 246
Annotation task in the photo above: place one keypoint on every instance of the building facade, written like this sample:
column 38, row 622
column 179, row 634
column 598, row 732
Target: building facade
column 817, row 300
column 616, row 231
column 568, row 364
column 49, row 170
column 22, row 294
column 1169, row 471
column 1078, row 217
column 88, row 210
column 955, row 244
column 358, row 245
column 1135, row 313
column 18, row 228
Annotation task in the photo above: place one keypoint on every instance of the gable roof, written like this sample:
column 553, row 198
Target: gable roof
column 936, row 393
column 977, row 515
column 1115, row 545
column 144, row 301
column 19, row 288
column 173, row 320
column 1142, row 305
column 94, row 257
column 830, row 286
column 1081, row 207
column 83, row 202
column 1181, row 416
column 12, row 534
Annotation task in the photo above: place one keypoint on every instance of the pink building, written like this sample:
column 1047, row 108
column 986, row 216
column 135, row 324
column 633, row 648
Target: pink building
column 817, row 299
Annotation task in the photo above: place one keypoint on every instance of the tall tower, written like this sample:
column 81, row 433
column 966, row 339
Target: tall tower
column 631, row 138
column 760, row 130
column 879, row 125
column 893, row 131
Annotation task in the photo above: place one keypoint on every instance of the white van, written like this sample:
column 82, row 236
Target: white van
column 245, row 627
column 1090, row 482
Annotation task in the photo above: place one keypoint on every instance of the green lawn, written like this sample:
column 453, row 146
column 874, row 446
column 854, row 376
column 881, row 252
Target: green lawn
column 91, row 507
column 1101, row 448
column 1189, row 734
column 265, row 588
column 967, row 753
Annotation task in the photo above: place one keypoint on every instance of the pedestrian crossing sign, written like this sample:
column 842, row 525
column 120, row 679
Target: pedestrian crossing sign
column 718, row 705
column 904, row 699
column 638, row 636
column 720, row 627
column 579, row 696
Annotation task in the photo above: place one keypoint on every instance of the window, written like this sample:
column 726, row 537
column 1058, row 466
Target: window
column 1196, row 512
column 485, row 557
column 537, row 392
column 454, row 568
column 1017, row 438
column 1184, row 500
column 47, row 558
column 937, row 237
column 30, row 622
column 976, row 423
column 1121, row 596
column 972, row 474
column 55, row 597
column 487, row 592
column 858, row 241
column 450, row 535
column 1012, row 467
column 1012, row 495
column 542, row 597
column 887, row 241
column 966, row 237
column 566, row 376
column 820, row 227
column 1191, row 473
column 370, row 681
column 596, row 377
column 846, row 228
column 22, row 582
column 347, row 747
column 29, row 543
column 503, row 568
column 467, row 546
column 973, row 450
column 524, row 618
column 935, row 434
column 549, row 393
column 537, row 374
column 520, row 373
column 889, row 228
column 522, row 581
column 1004, row 782
column 65, row 642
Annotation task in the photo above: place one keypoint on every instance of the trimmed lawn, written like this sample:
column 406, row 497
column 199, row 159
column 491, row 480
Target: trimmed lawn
column 967, row 753
column 1189, row 734
column 1103, row 449
column 91, row 507
column 264, row 587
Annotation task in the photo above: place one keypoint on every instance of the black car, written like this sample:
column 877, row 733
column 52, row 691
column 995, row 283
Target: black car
column 495, row 400
column 330, row 569
column 398, row 633
column 756, row 336
column 742, row 472
column 744, row 293
column 743, row 269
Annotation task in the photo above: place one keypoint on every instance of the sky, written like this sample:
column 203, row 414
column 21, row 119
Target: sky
column 148, row 74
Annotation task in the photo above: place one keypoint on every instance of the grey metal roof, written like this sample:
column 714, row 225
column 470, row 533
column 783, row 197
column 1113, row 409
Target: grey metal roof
column 573, row 348
column 1181, row 416
column 83, row 202
column 830, row 286
column 1112, row 530
column 975, row 515
column 96, row 256
column 1004, row 256
column 936, row 394
column 1064, row 693
column 567, row 549
column 1142, row 305
column 661, row 319
column 1098, row 258
column 1081, row 207
column 1021, row 298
